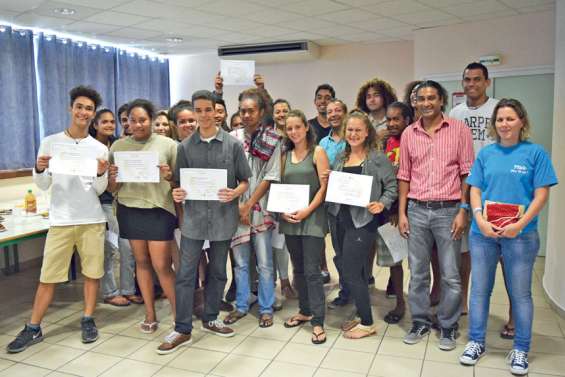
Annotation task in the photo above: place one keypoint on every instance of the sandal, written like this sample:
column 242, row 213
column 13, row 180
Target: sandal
column 233, row 317
column 393, row 317
column 348, row 325
column 148, row 327
column 266, row 320
column 360, row 331
column 507, row 332
column 117, row 301
column 295, row 320
column 318, row 337
column 135, row 299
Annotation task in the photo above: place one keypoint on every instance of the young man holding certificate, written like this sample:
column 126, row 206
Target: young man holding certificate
column 75, row 214
column 436, row 154
column 214, row 220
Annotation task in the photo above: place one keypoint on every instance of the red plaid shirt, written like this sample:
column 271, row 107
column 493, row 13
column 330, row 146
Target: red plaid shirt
column 434, row 165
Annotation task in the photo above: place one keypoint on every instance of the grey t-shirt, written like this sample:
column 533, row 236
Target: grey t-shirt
column 211, row 219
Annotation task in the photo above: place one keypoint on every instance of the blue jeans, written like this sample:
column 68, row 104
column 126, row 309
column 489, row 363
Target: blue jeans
column 261, row 243
column 429, row 226
column 127, row 262
column 519, row 255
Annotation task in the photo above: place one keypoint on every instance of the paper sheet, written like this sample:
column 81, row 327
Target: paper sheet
column 142, row 166
column 237, row 72
column 288, row 198
column 73, row 159
column 203, row 184
column 350, row 189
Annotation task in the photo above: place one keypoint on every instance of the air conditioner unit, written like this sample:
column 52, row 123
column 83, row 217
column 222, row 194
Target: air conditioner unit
column 271, row 52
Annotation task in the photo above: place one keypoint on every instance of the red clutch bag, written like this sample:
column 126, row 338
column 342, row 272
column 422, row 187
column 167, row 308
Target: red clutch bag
column 502, row 214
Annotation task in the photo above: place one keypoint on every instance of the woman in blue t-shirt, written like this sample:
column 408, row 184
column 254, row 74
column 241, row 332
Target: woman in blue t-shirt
column 511, row 171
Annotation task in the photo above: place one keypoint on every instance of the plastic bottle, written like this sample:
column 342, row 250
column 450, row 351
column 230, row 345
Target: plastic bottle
column 30, row 202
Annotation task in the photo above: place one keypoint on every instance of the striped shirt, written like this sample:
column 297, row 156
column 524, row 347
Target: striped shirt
column 434, row 165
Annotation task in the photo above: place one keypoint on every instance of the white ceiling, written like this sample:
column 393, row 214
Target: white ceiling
column 206, row 24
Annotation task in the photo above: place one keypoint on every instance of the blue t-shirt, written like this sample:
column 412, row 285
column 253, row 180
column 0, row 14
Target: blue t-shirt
column 332, row 148
column 511, row 175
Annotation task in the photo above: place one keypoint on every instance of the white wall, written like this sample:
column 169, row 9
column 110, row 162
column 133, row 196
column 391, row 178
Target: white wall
column 344, row 67
column 553, row 281
column 522, row 41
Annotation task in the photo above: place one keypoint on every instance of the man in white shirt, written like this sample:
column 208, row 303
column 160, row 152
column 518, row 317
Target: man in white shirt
column 476, row 112
column 76, row 220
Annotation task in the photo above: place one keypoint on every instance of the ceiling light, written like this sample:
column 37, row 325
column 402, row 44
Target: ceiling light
column 174, row 39
column 64, row 11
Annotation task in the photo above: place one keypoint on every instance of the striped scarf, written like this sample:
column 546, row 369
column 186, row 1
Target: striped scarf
column 264, row 142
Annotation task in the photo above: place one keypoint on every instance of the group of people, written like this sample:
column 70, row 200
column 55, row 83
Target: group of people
column 433, row 175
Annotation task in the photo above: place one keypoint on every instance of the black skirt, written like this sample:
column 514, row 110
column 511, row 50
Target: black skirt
column 151, row 224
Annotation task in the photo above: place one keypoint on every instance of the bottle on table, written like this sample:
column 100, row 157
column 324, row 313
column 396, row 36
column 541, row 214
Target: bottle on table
column 30, row 202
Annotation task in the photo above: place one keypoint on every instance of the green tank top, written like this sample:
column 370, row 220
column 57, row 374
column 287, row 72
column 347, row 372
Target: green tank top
column 304, row 173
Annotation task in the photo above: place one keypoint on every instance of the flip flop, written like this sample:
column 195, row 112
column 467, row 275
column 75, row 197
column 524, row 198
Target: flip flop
column 393, row 318
column 233, row 317
column 266, row 320
column 316, row 337
column 115, row 301
column 348, row 325
column 294, row 321
column 365, row 331
column 507, row 332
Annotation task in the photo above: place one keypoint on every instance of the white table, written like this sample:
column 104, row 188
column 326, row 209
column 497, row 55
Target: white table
column 19, row 228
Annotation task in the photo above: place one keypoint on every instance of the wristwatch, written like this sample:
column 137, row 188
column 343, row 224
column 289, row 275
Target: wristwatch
column 464, row 206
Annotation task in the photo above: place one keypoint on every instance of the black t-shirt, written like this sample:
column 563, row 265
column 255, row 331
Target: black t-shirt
column 321, row 132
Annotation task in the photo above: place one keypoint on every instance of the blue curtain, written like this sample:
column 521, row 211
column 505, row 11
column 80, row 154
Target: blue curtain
column 142, row 77
column 63, row 64
column 18, row 117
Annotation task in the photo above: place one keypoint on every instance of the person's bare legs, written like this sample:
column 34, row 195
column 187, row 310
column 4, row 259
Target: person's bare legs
column 161, row 260
column 43, row 297
column 465, row 271
column 143, row 270
column 90, row 290
column 435, row 293
column 175, row 254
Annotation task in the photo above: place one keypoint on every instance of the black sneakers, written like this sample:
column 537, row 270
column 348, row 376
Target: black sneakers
column 89, row 332
column 25, row 338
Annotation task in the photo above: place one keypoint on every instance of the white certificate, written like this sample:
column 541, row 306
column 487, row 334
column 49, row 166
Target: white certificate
column 73, row 159
column 350, row 189
column 203, row 184
column 142, row 166
column 288, row 198
column 397, row 245
column 237, row 72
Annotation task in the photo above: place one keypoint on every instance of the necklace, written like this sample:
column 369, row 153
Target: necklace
column 68, row 133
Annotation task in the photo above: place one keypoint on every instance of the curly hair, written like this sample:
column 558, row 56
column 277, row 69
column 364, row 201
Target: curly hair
column 382, row 87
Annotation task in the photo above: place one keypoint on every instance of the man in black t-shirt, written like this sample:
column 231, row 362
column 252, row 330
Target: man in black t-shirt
column 324, row 94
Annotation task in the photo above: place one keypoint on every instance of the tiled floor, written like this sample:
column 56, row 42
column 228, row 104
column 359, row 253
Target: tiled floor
column 123, row 351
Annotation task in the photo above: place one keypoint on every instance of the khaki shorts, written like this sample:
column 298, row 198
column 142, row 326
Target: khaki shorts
column 59, row 247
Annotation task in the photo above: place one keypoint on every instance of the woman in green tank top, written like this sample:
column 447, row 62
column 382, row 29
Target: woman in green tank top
column 305, row 229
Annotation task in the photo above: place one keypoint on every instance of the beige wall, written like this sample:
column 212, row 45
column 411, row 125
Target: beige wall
column 345, row 67
column 522, row 41
column 553, row 281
